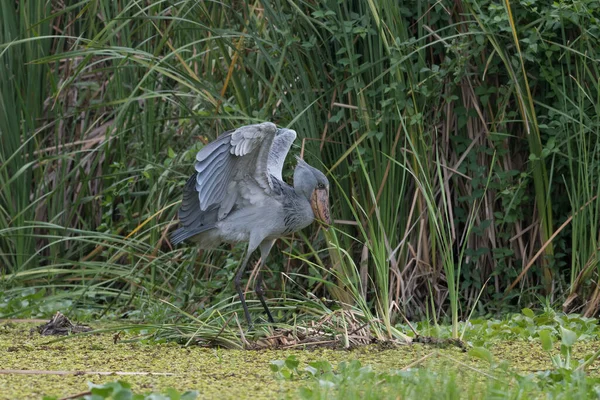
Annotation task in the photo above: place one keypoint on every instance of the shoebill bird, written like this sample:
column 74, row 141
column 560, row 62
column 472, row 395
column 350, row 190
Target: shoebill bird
column 237, row 194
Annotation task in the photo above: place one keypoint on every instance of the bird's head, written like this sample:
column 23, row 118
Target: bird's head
column 313, row 184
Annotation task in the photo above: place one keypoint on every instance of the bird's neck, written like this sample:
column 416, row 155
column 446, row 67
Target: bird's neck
column 296, row 205
column 301, row 196
column 297, row 209
column 294, row 193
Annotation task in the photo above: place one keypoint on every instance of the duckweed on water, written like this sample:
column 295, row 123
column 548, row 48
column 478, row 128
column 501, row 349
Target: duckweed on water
column 219, row 373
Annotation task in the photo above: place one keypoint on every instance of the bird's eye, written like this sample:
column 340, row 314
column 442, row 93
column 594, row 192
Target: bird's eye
column 321, row 186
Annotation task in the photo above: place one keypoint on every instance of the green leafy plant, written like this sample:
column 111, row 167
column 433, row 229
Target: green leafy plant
column 121, row 390
column 288, row 369
column 352, row 380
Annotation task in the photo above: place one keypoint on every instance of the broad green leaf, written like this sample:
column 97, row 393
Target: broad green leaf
column 321, row 365
column 481, row 353
column 173, row 394
column 292, row 362
column 546, row 339
column 528, row 312
column 276, row 365
column 305, row 393
column 568, row 337
column 123, row 394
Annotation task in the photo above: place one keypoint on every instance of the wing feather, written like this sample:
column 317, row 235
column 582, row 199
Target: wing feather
column 235, row 159
column 189, row 203
column 207, row 179
column 216, row 154
column 192, row 218
column 207, row 150
column 279, row 150
column 218, row 173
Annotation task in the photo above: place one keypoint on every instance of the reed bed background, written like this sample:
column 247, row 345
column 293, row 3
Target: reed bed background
column 461, row 139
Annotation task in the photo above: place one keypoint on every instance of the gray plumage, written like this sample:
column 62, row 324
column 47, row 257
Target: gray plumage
column 279, row 149
column 237, row 194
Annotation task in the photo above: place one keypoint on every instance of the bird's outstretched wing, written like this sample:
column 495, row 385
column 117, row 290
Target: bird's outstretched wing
column 234, row 170
column 279, row 149
column 236, row 161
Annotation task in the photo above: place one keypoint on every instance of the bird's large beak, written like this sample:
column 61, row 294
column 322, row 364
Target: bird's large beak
column 319, row 202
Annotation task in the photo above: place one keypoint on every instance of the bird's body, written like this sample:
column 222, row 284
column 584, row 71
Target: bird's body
column 238, row 195
column 240, row 224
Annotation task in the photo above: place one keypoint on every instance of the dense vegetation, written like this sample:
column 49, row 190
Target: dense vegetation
column 461, row 138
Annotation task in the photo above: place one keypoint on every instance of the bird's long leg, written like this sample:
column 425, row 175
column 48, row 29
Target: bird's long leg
column 238, row 287
column 265, row 248
column 261, row 295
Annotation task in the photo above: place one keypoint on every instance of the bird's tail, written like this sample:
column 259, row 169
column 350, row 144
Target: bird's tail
column 181, row 234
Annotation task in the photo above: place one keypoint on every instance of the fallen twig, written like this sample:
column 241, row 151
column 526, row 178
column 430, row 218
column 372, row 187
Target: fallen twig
column 77, row 373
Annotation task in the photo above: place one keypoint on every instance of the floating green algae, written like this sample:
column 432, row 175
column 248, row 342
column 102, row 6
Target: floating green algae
column 215, row 373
